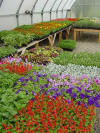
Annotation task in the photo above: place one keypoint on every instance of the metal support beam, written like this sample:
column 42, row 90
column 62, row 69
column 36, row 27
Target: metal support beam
column 17, row 12
column 58, row 8
column 32, row 11
column 52, row 8
column 43, row 9
column 64, row 6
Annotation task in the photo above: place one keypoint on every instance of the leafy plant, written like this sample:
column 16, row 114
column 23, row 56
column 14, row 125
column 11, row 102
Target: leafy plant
column 17, row 39
column 6, row 51
column 67, row 44
column 41, row 55
column 86, row 59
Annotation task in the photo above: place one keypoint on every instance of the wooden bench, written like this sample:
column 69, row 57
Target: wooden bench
column 75, row 30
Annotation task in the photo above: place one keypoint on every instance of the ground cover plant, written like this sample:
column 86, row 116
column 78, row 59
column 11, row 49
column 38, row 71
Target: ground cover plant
column 67, row 44
column 41, row 55
column 46, row 115
column 86, row 59
column 71, row 69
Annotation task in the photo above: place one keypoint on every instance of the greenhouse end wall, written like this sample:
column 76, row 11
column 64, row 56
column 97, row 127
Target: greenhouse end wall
column 86, row 8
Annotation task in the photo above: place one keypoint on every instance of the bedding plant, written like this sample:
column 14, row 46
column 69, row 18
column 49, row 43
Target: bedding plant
column 67, row 44
column 22, row 35
column 41, row 55
column 44, row 114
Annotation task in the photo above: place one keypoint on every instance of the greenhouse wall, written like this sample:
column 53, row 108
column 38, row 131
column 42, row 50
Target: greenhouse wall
column 86, row 8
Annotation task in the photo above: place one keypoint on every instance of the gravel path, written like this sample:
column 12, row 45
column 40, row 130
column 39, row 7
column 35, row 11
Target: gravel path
column 88, row 42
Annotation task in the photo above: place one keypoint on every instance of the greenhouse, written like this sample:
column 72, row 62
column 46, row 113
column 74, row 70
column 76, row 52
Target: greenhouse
column 49, row 66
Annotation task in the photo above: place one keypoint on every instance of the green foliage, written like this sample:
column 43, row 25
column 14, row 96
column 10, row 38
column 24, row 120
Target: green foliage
column 17, row 39
column 86, row 59
column 41, row 55
column 6, row 50
column 67, row 44
column 85, row 23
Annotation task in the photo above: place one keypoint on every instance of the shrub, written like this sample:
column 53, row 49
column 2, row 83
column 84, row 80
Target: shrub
column 67, row 44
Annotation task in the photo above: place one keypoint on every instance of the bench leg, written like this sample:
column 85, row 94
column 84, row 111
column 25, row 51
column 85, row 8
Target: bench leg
column 99, row 38
column 74, row 35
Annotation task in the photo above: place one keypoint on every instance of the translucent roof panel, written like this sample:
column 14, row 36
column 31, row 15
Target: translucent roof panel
column 62, row 4
column 56, row 5
column 27, row 5
column 69, row 4
column 9, row 7
column 49, row 5
column 40, row 4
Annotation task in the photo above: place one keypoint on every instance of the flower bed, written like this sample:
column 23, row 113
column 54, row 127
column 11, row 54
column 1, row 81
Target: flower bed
column 47, row 115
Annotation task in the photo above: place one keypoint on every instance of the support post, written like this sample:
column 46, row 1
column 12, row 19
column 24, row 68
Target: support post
column 74, row 34
column 67, row 35
column 37, row 45
column 60, row 35
column 50, row 38
column 99, row 37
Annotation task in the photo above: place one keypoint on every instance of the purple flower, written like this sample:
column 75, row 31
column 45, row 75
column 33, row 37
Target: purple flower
column 91, row 101
column 15, row 83
column 82, row 95
column 87, row 96
column 69, row 101
column 69, row 91
column 79, row 89
column 79, row 102
column 54, row 75
column 41, row 87
column 34, row 73
column 26, row 80
column 37, row 79
column 73, row 95
column 22, row 79
column 58, row 93
column 96, row 104
column 18, row 91
column 46, row 86
column 62, row 90
column 33, row 93
column 24, row 84
column 30, row 78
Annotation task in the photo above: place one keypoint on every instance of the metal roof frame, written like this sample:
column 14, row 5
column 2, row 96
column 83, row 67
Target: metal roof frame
column 58, row 8
column 32, row 11
column 17, row 12
column 43, row 9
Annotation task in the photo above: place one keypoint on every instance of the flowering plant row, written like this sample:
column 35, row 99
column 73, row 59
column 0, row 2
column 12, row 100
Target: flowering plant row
column 45, row 115
column 80, row 89
column 20, row 68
